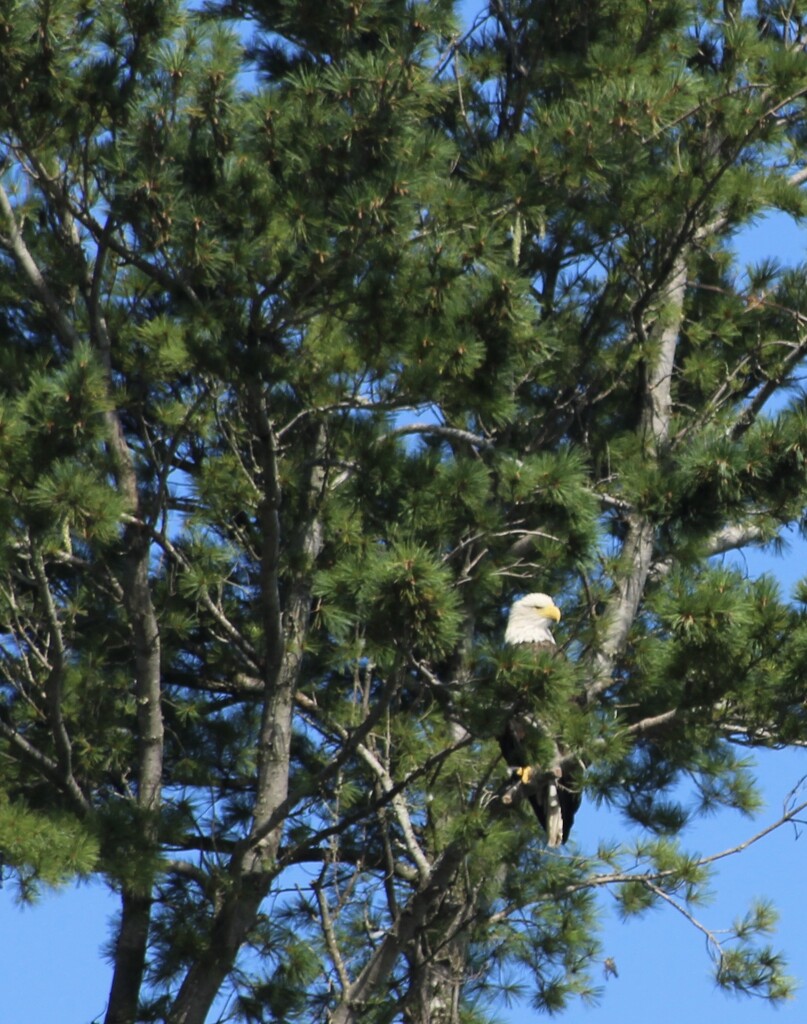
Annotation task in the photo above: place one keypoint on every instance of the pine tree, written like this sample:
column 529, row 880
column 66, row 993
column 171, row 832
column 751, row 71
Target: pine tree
column 327, row 330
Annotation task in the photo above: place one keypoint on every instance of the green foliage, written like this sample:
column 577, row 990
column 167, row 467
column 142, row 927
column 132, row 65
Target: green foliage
column 44, row 849
column 327, row 330
column 744, row 968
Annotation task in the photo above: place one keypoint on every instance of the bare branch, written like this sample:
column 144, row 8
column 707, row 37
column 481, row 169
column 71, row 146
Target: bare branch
column 55, row 681
column 733, row 537
column 330, row 936
column 444, row 431
column 621, row 877
column 637, row 550
column 652, row 722
column 714, row 944
column 16, row 244
column 382, row 961
column 769, row 388
column 207, row 602
column 399, row 807
column 49, row 768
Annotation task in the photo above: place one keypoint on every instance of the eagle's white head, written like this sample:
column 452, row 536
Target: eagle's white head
column 529, row 619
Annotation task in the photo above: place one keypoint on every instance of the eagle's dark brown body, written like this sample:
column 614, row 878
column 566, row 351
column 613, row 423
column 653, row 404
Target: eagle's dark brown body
column 567, row 786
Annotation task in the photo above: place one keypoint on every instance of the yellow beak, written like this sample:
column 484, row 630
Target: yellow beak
column 550, row 612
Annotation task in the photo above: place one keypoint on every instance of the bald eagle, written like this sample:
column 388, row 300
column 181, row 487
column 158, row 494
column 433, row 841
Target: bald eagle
column 554, row 789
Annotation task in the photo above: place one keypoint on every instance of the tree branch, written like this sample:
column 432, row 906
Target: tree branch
column 443, row 431
column 16, row 244
column 637, row 550
column 412, row 918
column 400, row 809
column 55, row 680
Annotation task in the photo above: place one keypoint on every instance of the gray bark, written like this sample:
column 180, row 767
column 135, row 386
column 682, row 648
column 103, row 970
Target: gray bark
column 637, row 552
column 284, row 631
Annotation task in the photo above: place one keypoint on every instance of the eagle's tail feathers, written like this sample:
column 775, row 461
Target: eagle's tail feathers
column 553, row 816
